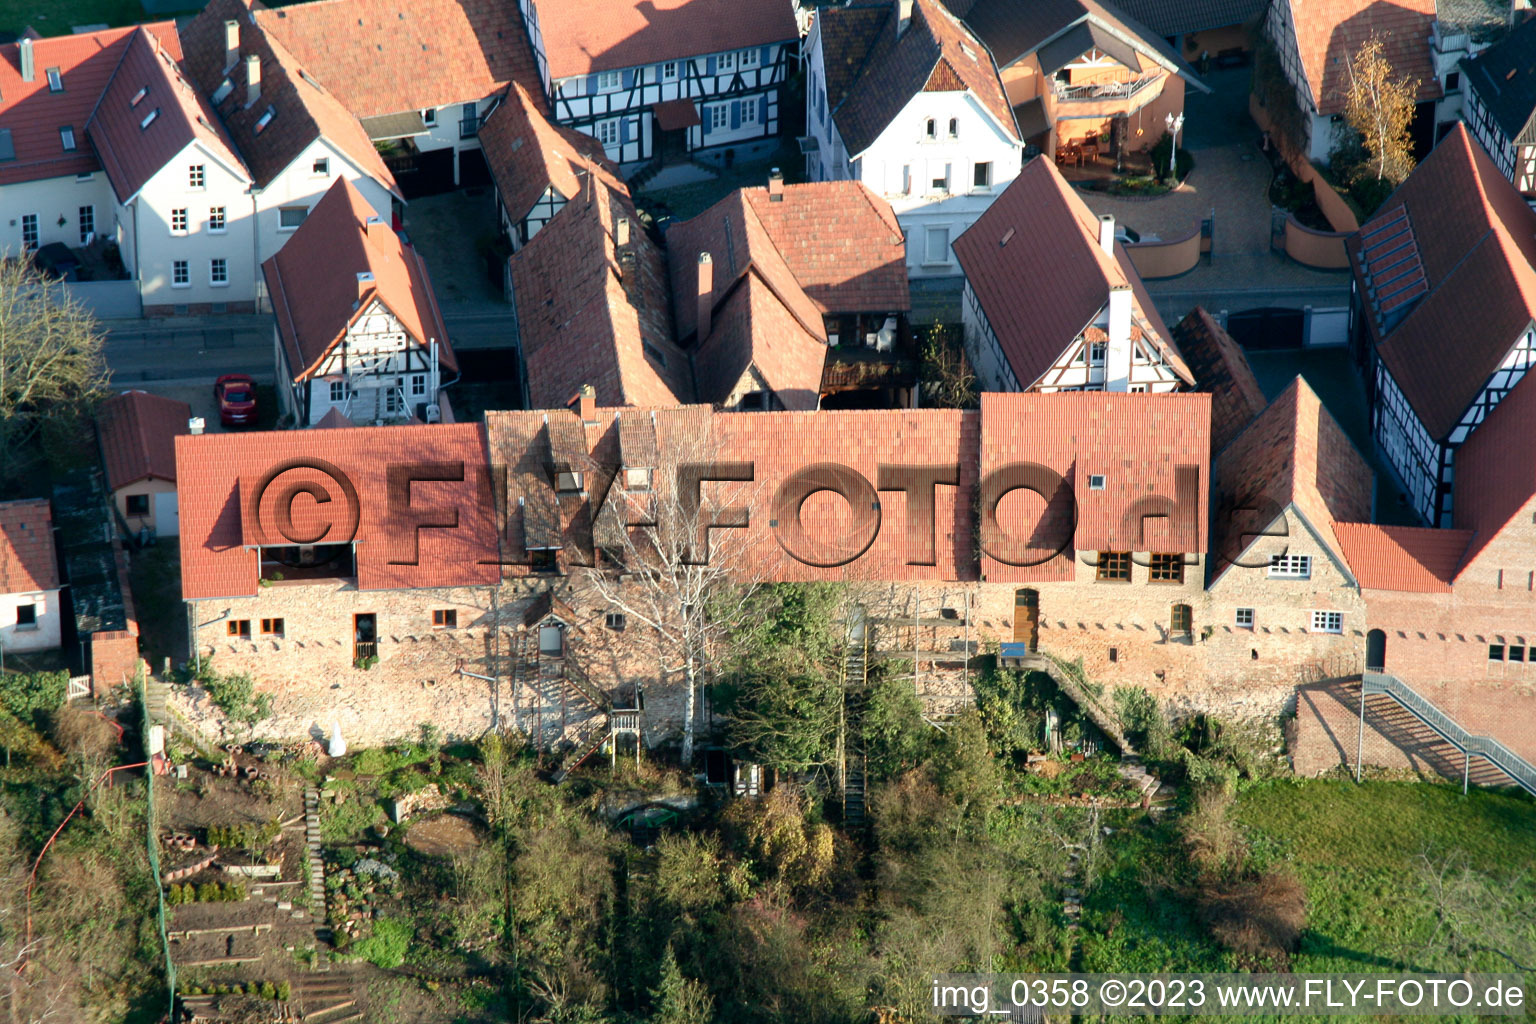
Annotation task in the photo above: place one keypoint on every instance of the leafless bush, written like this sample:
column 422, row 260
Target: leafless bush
column 1258, row 917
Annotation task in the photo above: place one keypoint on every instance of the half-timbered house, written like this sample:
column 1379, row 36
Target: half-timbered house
column 662, row 82
column 1052, row 301
column 1449, row 256
column 1500, row 104
column 358, row 329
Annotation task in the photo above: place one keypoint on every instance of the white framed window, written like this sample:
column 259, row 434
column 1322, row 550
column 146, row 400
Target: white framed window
column 87, row 224
column 1096, row 352
column 181, row 274
column 265, row 119
column 748, row 112
column 1095, row 481
column 149, row 119
column 218, row 271
column 197, row 176
column 1244, row 618
column 393, row 402
column 216, row 218
column 290, row 217
column 55, row 80
column 930, row 129
column 322, row 167
column 338, row 391
column 1327, row 622
column 1290, row 567
column 608, row 132
column 179, row 220
column 749, row 58
column 29, row 232
column 67, row 139
column 981, row 175
column 429, row 117
column 939, row 178
column 608, row 81
column 669, row 71
column 418, row 384
column 725, row 62
column 954, row 127
column 719, row 117
column 936, row 245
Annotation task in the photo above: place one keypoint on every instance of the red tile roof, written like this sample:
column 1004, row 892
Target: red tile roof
column 1034, row 261
column 586, row 36
column 1495, row 473
column 303, row 109
column 1475, row 239
column 586, row 315
column 33, row 115
column 1410, row 558
column 138, row 434
column 1294, row 454
column 528, row 155
column 1221, row 369
column 131, row 151
column 1330, row 32
column 1138, row 443
column 384, row 56
column 220, row 476
column 316, row 293
column 754, row 329
column 936, row 53
column 27, row 558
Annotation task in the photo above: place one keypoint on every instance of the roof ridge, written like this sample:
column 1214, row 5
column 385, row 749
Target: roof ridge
column 747, row 209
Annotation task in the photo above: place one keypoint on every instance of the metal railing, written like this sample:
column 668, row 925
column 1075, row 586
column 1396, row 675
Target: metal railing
column 1491, row 750
column 365, row 649
column 1102, row 90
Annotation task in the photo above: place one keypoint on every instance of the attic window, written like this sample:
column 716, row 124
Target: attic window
column 222, row 92
column 1095, row 482
column 654, row 353
column 149, row 119
column 310, row 78
column 139, row 96
column 67, row 139
column 55, row 81
column 265, row 119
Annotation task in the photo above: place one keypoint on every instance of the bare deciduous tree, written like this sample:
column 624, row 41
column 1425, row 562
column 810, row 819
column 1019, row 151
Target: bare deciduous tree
column 1378, row 104
column 51, row 360
column 1475, row 914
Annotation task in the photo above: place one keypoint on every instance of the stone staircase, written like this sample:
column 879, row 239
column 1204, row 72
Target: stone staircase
column 326, row 1000
column 316, row 870
column 156, row 694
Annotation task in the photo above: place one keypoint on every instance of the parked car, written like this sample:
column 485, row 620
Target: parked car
column 236, row 395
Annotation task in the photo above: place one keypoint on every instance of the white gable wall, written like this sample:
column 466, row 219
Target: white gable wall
column 156, row 247
column 50, row 200
column 300, row 186
column 41, row 636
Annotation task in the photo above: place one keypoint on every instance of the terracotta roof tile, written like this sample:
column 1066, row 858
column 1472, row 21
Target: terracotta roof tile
column 1330, row 32
column 1495, row 473
column 33, row 114
column 1220, row 368
column 384, row 56
column 303, row 109
column 754, row 329
column 138, row 434
column 316, row 293
column 1407, row 558
column 586, row 36
column 219, row 477
column 131, row 150
column 1475, row 239
column 528, row 155
column 1034, row 260
column 27, row 558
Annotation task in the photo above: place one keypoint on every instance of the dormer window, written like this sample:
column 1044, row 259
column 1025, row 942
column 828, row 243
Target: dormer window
column 138, row 97
column 429, row 117
column 568, row 482
column 55, row 80
column 265, row 119
column 222, row 92
column 637, row 479
column 1096, row 352
column 67, row 139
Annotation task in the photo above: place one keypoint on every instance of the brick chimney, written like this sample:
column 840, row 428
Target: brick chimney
column 1117, row 355
column 775, row 186
column 364, row 282
column 231, row 45
column 706, row 294
column 586, row 405
column 28, row 61
column 1107, row 233
column 378, row 231
column 252, row 79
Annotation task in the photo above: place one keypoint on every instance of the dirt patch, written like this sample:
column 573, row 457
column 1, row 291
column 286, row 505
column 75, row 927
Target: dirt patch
column 443, row 836
column 1049, row 768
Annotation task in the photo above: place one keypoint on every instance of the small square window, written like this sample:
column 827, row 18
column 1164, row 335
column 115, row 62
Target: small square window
column 543, row 560
column 290, row 217
column 322, row 166
column 418, row 385
column 749, row 58
column 1096, row 352
column 1095, row 482
column 607, row 81
column 239, row 627
column 429, row 117
column 216, row 219
column 637, row 479
column 1114, row 565
column 218, row 271
column 568, row 482
column 179, row 220
column 1495, row 652
column 137, row 505
column 727, row 62
column 1453, row 81
column 614, row 621
column 1244, row 618
column 338, row 391
column 445, row 618
column 981, row 175
column 272, row 627
column 669, row 71
column 654, row 354
column 197, row 176
column 26, row 616
column 1167, row 568
column 55, row 80
column 1294, row 567
column 719, row 117
column 1516, row 653
column 181, row 274
column 1327, row 622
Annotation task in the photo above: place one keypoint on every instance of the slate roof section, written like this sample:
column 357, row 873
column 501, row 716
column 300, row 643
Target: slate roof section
column 1475, row 239
column 1221, row 369
column 1504, row 77
column 1416, row 559
column 1047, row 283
column 1495, row 473
column 138, row 432
column 219, row 477
column 528, row 155
column 32, row 115
column 303, row 109
column 383, row 56
column 582, row 37
column 1294, row 454
column 589, row 314
column 1182, row 17
column 28, row 560
column 1330, row 32
column 935, row 54
column 316, row 293
column 132, row 151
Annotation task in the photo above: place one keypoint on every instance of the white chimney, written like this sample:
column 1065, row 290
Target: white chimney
column 1117, row 357
column 706, row 294
column 231, row 44
column 903, row 15
column 621, row 232
column 195, row 425
column 252, row 79
column 28, row 61
column 775, row 186
column 1107, row 233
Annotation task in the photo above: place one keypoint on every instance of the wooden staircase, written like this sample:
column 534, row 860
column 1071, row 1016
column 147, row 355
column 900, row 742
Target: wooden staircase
column 595, row 730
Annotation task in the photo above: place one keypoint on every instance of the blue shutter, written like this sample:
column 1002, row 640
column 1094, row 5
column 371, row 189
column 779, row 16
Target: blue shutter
column 591, row 89
column 627, row 79
column 762, row 113
column 623, row 130
column 766, row 56
column 709, row 65
column 735, row 114
column 704, row 118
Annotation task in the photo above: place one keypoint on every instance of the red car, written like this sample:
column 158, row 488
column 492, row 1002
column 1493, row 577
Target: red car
column 236, row 395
